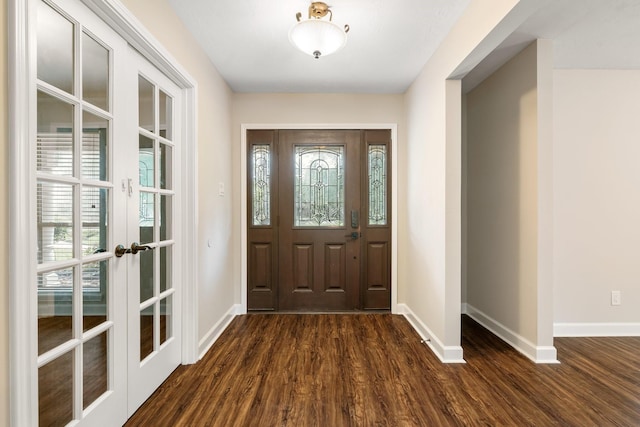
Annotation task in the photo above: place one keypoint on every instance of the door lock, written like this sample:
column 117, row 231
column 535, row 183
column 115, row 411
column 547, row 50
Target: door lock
column 354, row 235
column 355, row 219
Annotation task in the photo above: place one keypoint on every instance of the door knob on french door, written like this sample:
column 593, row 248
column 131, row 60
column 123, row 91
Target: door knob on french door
column 354, row 235
column 137, row 247
column 134, row 249
column 121, row 250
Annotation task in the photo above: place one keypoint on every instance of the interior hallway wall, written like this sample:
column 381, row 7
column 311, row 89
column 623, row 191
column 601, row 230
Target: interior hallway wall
column 215, row 214
column 430, row 264
column 507, row 192
column 597, row 202
column 502, row 195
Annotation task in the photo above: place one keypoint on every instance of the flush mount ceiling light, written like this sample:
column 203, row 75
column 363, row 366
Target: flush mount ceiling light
column 316, row 36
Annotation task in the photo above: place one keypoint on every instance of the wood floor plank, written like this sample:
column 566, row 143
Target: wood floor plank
column 372, row 370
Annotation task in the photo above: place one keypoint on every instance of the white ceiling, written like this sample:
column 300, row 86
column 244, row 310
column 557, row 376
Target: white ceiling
column 388, row 44
column 390, row 41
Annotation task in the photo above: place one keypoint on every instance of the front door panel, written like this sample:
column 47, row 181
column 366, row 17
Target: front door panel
column 319, row 260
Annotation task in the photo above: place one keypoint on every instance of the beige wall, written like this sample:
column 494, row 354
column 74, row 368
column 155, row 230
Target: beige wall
column 216, row 276
column 506, row 198
column 502, row 195
column 430, row 248
column 4, row 224
column 597, row 202
column 315, row 108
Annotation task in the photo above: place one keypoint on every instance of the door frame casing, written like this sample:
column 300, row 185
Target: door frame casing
column 22, row 190
column 393, row 127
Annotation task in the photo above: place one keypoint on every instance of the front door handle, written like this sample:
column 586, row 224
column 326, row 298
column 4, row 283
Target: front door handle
column 354, row 235
column 136, row 247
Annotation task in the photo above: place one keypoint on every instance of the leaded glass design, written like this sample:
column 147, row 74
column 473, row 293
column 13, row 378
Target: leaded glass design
column 261, row 184
column 377, row 183
column 319, row 186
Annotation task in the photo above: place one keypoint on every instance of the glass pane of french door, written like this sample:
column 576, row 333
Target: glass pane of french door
column 76, row 273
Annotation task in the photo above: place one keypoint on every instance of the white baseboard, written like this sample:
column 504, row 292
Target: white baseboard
column 464, row 308
column 539, row 354
column 214, row 333
column 446, row 354
column 596, row 329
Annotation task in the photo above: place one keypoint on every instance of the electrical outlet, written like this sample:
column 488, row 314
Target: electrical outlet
column 616, row 298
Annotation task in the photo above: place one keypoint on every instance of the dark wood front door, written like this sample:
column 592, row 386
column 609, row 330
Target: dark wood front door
column 318, row 223
column 319, row 213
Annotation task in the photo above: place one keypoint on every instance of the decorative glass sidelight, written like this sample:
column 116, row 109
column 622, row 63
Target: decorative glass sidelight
column 261, row 185
column 319, row 186
column 377, row 184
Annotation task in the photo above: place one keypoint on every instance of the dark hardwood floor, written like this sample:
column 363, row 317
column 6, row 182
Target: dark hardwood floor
column 371, row 370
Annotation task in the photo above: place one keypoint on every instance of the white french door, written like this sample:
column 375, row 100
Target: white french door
column 107, row 156
column 153, row 301
column 80, row 288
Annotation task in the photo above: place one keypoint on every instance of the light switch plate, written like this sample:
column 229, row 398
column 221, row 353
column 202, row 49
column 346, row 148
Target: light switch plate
column 616, row 298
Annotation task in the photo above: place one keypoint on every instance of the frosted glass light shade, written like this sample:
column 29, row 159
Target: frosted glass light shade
column 315, row 35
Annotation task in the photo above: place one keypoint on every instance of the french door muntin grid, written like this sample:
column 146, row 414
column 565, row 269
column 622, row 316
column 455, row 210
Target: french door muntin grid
column 155, row 212
column 77, row 260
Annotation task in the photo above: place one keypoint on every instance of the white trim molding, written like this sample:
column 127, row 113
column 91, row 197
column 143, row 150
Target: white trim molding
column 189, row 192
column 446, row 354
column 596, row 329
column 538, row 354
column 123, row 22
column 216, row 330
column 394, row 195
column 22, row 169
